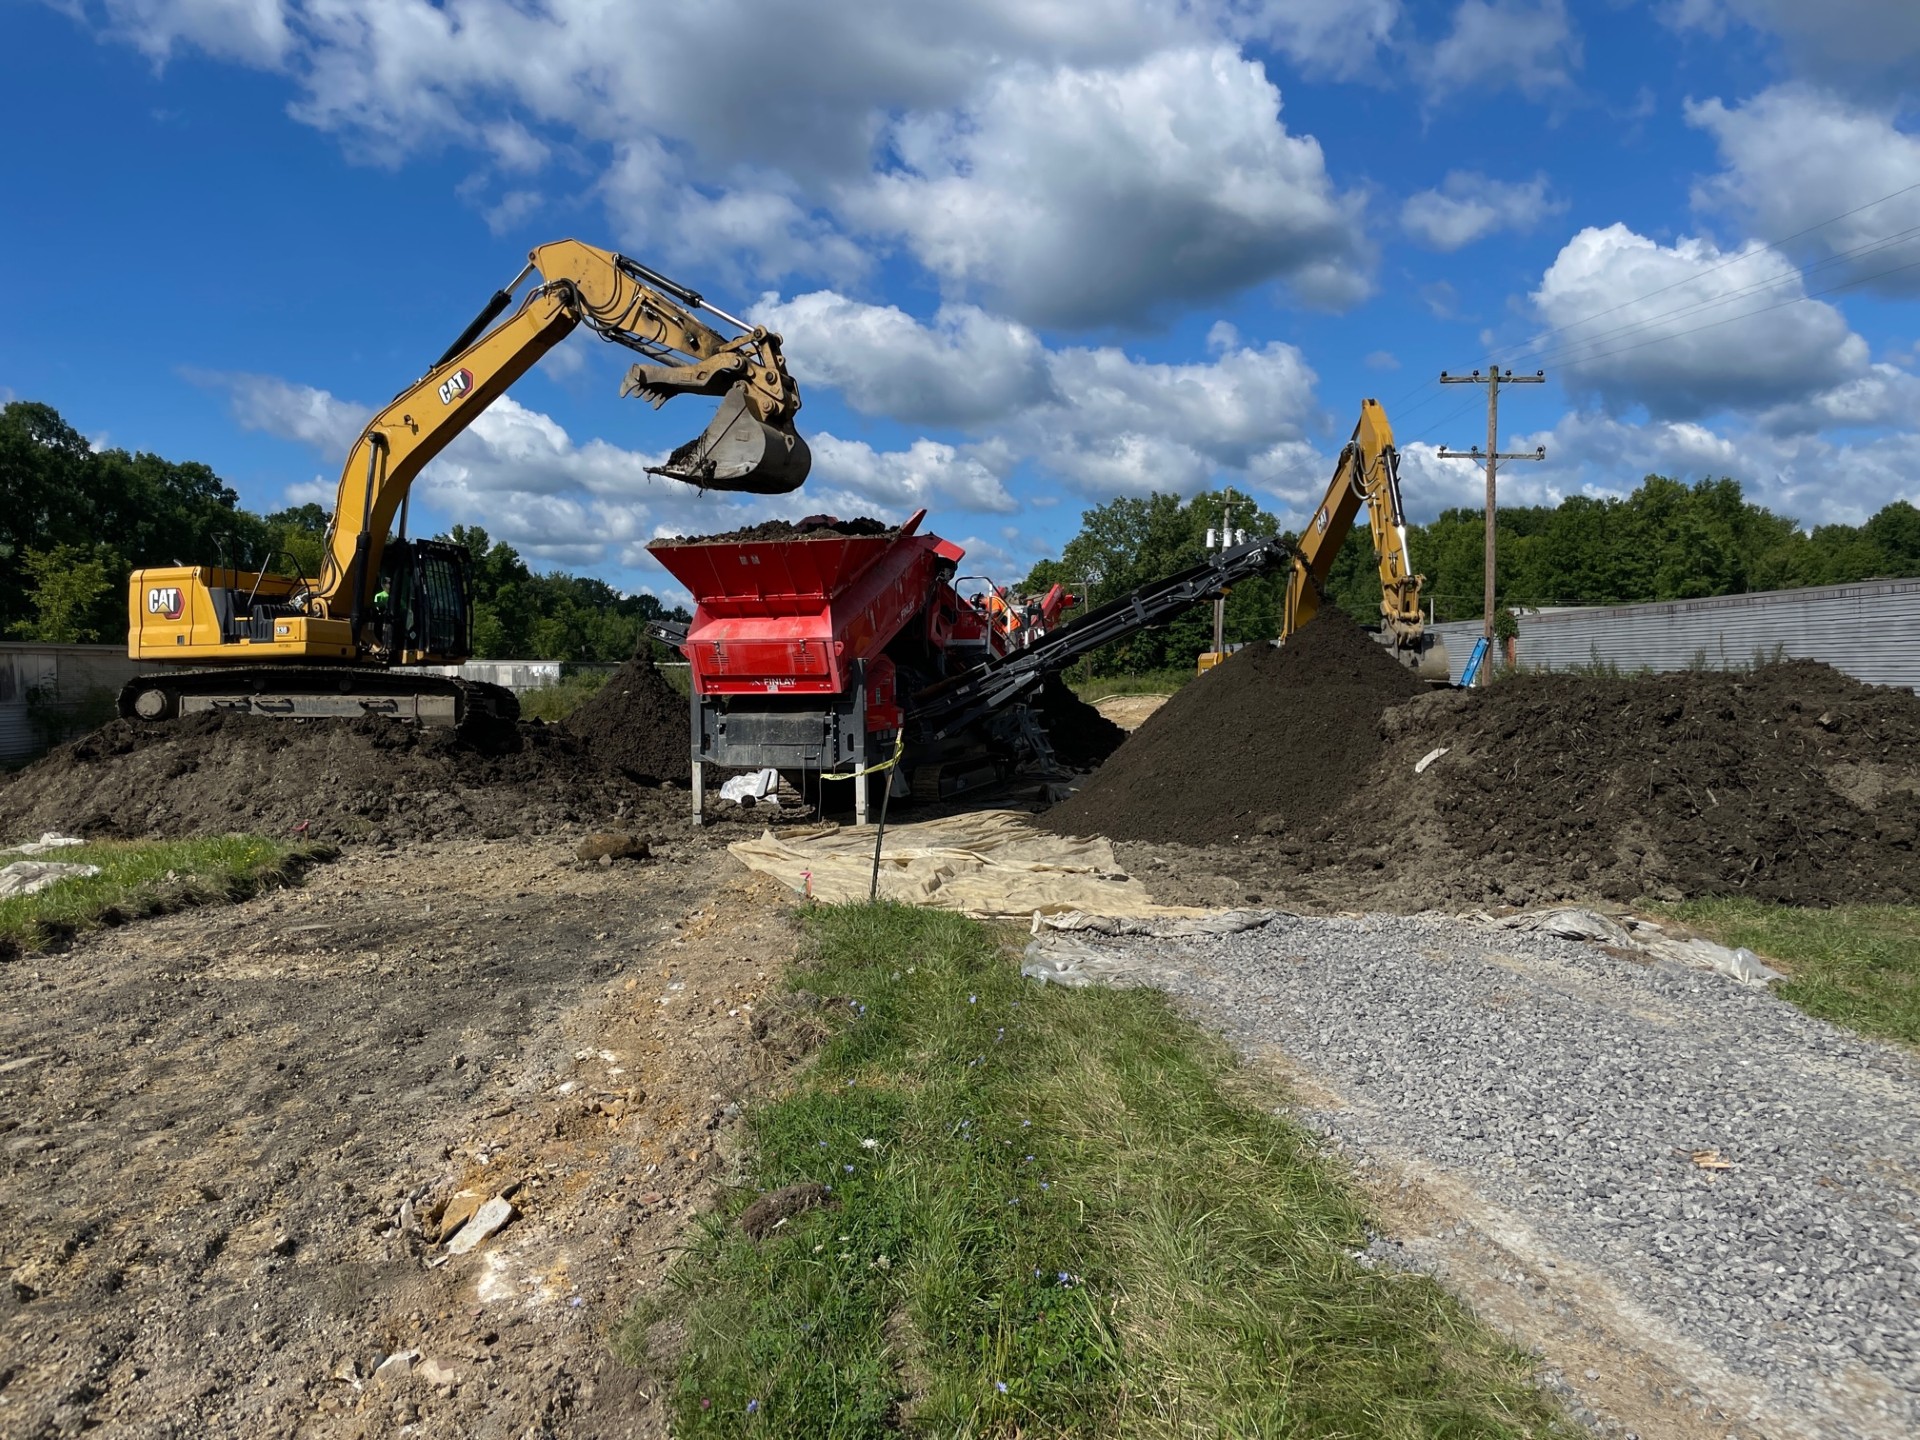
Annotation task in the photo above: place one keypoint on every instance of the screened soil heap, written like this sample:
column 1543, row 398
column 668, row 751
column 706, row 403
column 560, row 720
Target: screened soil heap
column 1081, row 736
column 1295, row 770
column 636, row 724
column 1271, row 739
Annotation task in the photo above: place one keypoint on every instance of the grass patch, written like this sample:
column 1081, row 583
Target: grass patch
column 1856, row 965
column 140, row 877
column 553, row 703
column 1149, row 682
column 1054, row 1212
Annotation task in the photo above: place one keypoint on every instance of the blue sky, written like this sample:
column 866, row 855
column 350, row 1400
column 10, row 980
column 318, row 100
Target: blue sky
column 1026, row 254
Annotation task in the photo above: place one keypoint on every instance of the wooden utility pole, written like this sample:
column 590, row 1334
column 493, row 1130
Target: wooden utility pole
column 1495, row 378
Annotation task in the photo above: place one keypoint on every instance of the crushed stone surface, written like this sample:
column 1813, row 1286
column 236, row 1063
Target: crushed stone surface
column 1587, row 1101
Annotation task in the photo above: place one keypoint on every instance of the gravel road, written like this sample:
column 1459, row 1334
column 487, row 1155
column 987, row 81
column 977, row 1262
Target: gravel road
column 1536, row 1106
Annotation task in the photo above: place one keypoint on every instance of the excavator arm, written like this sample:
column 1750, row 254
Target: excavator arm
column 1368, row 474
column 750, row 445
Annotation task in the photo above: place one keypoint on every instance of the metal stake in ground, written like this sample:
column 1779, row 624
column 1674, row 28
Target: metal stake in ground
column 880, row 831
column 1495, row 379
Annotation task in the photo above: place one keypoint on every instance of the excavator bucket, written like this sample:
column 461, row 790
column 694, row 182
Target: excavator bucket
column 738, row 451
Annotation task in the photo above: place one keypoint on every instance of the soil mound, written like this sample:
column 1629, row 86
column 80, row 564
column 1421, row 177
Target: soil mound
column 1269, row 740
column 814, row 527
column 371, row 780
column 636, row 724
column 1081, row 736
column 1795, row 784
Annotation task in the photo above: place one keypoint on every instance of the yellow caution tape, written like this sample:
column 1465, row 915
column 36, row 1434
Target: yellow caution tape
column 899, row 744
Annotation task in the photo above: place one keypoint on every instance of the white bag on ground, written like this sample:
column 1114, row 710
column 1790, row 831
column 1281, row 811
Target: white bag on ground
column 28, row 877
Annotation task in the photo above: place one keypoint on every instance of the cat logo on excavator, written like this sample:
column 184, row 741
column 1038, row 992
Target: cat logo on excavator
column 457, row 384
column 166, row 601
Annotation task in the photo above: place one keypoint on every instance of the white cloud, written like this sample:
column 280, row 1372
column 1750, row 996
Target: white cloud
column 967, row 367
column 292, row 412
column 511, row 210
column 1699, row 341
column 1854, row 41
column 1095, row 417
column 520, row 475
column 1526, row 45
column 254, row 32
column 1091, row 197
column 1341, row 38
column 1469, row 206
column 1806, row 477
column 926, row 474
column 1885, row 395
column 1074, row 161
column 1796, row 157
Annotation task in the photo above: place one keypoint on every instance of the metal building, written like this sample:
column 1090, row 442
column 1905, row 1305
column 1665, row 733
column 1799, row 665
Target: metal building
column 1870, row 631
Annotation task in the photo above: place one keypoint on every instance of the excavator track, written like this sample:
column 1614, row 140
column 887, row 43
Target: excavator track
column 291, row 693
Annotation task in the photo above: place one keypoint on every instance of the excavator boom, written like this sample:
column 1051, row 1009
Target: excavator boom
column 1368, row 474
column 255, row 636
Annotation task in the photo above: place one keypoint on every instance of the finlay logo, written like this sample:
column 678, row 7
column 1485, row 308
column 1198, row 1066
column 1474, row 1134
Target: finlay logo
column 166, row 601
column 456, row 385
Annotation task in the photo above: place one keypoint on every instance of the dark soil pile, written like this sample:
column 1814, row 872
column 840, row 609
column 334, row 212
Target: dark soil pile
column 1081, row 736
column 814, row 527
column 1267, row 741
column 1795, row 784
column 369, row 780
column 636, row 724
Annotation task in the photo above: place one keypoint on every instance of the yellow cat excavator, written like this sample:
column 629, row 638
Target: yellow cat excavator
column 1368, row 474
column 335, row 644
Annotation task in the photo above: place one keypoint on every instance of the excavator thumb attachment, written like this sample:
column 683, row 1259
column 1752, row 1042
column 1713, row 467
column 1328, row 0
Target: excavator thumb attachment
column 738, row 451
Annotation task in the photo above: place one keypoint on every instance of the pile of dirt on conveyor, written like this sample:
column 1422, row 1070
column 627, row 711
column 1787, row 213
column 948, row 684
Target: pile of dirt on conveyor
column 1270, row 740
column 814, row 527
column 1794, row 783
column 636, row 725
column 367, row 780
column 1081, row 736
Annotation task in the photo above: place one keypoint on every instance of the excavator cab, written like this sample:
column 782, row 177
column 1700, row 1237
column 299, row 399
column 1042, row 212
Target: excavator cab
column 429, row 611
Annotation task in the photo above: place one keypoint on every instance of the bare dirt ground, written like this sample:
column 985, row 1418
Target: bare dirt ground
column 226, row 1137
column 1130, row 712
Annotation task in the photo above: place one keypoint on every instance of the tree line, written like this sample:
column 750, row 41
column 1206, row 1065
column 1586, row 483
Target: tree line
column 1666, row 541
column 74, row 521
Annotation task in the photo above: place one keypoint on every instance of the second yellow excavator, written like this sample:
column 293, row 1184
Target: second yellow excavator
column 1368, row 474
column 337, row 644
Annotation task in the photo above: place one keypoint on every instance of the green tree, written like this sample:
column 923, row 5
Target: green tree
column 67, row 584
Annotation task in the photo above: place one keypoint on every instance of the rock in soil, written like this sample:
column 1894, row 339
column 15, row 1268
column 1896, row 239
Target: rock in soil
column 761, row 1218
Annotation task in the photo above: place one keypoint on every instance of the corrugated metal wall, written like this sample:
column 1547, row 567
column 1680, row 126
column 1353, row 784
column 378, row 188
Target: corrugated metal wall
column 69, row 678
column 1870, row 630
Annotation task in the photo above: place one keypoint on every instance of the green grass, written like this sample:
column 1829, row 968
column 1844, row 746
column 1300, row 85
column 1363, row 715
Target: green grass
column 1148, row 682
column 144, row 878
column 1076, row 1218
column 1856, row 965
